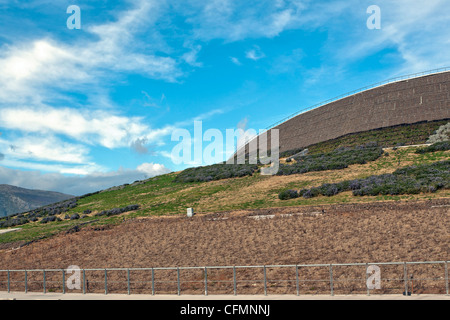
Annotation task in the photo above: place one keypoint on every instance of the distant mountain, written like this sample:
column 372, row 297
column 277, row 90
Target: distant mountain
column 15, row 200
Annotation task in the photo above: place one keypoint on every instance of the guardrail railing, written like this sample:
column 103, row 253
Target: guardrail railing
column 351, row 278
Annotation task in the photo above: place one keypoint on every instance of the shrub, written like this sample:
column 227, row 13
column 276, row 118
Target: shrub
column 439, row 146
column 48, row 219
column 13, row 222
column 114, row 212
column 442, row 134
column 75, row 216
column 329, row 190
column 288, row 194
column 117, row 211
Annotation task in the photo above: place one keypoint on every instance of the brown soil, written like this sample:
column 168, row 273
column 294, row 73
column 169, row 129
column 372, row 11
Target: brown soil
column 373, row 232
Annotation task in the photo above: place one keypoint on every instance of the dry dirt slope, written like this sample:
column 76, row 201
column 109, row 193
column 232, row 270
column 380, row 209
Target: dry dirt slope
column 372, row 232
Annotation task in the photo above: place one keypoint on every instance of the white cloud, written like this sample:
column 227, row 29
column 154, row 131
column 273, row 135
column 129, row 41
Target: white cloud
column 191, row 56
column 235, row 61
column 255, row 54
column 36, row 70
column 235, row 20
column 151, row 168
column 23, row 68
column 90, row 127
column 48, row 148
column 82, row 169
column 408, row 27
column 78, row 185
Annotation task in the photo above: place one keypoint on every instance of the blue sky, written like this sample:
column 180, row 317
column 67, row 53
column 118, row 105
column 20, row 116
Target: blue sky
column 82, row 110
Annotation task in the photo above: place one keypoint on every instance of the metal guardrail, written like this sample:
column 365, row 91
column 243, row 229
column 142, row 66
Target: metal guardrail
column 348, row 94
column 399, row 279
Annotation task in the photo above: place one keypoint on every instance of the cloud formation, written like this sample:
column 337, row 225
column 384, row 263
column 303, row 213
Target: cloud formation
column 234, row 20
column 88, row 126
column 44, row 148
column 79, row 185
column 255, row 54
column 139, row 146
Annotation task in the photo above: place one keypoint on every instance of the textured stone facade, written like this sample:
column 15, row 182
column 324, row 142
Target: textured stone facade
column 410, row 101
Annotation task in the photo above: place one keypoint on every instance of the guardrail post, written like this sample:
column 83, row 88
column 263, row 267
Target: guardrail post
column 63, row 281
column 43, row 282
column 234, row 281
column 331, row 280
column 446, row 278
column 26, row 282
column 9, row 282
column 153, row 282
column 206, row 281
column 178, row 281
column 84, row 281
column 106, row 281
column 405, row 275
column 265, row 281
column 128, row 282
column 367, row 279
column 297, row 280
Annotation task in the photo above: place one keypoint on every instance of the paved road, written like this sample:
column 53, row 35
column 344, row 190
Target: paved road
column 76, row 296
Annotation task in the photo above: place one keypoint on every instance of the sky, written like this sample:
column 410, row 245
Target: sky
column 84, row 109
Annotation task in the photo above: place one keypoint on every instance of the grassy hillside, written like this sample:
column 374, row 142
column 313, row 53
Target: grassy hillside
column 169, row 195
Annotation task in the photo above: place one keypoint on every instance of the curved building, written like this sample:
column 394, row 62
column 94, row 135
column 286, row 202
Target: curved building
column 424, row 98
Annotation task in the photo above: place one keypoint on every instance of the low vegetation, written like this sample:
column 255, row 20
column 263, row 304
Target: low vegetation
column 288, row 194
column 50, row 214
column 117, row 211
column 426, row 178
column 404, row 135
column 12, row 222
column 438, row 146
column 338, row 159
column 216, row 172
column 442, row 134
